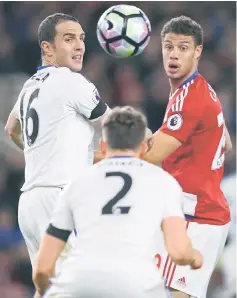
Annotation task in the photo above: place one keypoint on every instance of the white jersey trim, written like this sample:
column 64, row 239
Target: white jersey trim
column 189, row 203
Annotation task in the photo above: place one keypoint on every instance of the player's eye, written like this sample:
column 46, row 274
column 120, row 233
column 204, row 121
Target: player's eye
column 68, row 39
column 183, row 48
column 169, row 47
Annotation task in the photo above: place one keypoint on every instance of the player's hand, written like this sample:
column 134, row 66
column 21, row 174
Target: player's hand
column 197, row 261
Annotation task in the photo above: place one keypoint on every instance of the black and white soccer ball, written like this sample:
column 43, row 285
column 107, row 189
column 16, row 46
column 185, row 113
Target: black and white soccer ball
column 123, row 31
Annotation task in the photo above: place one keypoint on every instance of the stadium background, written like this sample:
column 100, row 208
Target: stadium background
column 139, row 81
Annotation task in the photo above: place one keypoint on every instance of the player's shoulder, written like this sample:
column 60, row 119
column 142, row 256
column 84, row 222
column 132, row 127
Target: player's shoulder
column 202, row 90
column 48, row 74
column 159, row 176
column 81, row 81
column 194, row 96
column 64, row 76
column 194, row 89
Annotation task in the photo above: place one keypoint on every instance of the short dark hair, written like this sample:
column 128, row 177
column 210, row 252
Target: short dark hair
column 47, row 28
column 184, row 25
column 125, row 128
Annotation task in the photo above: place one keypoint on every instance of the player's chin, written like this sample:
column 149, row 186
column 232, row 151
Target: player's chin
column 76, row 66
column 173, row 76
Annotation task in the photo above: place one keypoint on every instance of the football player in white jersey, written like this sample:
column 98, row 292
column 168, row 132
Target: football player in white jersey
column 118, row 218
column 53, row 121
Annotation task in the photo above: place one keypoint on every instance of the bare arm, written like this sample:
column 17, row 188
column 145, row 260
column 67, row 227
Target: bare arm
column 49, row 251
column 178, row 243
column 13, row 129
column 228, row 143
column 98, row 156
column 97, row 124
column 162, row 146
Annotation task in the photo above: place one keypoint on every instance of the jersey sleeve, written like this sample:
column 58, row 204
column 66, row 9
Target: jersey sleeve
column 183, row 117
column 85, row 98
column 62, row 222
column 16, row 109
column 172, row 199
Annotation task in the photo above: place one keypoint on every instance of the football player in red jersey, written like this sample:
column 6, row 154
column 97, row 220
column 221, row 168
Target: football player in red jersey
column 191, row 146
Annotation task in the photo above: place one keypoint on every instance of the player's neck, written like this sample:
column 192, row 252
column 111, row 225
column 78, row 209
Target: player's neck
column 47, row 62
column 121, row 153
column 174, row 84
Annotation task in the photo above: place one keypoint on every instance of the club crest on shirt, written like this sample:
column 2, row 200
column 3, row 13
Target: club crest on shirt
column 175, row 122
column 96, row 96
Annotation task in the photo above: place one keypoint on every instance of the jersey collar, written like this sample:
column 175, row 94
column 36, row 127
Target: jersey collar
column 44, row 66
column 192, row 77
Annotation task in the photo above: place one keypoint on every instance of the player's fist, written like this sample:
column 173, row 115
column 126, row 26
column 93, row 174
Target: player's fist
column 197, row 260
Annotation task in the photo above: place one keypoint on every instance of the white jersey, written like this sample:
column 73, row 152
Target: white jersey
column 55, row 107
column 117, row 207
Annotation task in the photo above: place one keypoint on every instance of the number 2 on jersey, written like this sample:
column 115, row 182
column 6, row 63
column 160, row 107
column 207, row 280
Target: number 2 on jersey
column 110, row 208
column 219, row 157
column 29, row 137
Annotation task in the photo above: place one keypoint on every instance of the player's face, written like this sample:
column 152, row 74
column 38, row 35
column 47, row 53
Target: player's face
column 69, row 47
column 180, row 55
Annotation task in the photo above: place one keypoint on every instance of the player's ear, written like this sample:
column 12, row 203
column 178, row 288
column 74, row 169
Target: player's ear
column 198, row 52
column 47, row 48
column 149, row 143
column 103, row 148
column 143, row 149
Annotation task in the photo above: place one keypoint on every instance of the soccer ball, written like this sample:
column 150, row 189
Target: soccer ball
column 123, row 31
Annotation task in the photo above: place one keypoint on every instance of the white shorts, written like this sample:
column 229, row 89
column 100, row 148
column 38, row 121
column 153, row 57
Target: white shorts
column 228, row 267
column 34, row 213
column 110, row 277
column 210, row 241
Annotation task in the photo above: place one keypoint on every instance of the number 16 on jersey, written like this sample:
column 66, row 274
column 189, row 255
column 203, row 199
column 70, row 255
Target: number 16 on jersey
column 29, row 117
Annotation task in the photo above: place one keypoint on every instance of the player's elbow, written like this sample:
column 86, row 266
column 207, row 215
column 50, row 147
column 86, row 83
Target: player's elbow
column 228, row 147
column 39, row 275
column 8, row 130
column 11, row 132
column 42, row 270
column 43, row 266
column 41, row 280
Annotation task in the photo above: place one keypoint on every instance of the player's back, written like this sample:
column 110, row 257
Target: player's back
column 194, row 116
column 119, row 207
column 57, row 138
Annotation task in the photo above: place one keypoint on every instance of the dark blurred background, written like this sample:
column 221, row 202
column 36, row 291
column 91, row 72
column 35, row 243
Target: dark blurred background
column 138, row 81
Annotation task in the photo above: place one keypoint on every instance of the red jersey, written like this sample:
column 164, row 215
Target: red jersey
column 194, row 116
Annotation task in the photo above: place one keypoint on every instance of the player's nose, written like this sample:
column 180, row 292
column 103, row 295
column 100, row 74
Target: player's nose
column 79, row 45
column 174, row 53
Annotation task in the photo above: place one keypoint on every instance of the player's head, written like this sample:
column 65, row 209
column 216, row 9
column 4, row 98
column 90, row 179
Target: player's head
column 124, row 131
column 61, row 40
column 182, row 40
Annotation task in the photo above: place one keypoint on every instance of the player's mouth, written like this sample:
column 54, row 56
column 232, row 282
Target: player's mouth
column 77, row 58
column 173, row 67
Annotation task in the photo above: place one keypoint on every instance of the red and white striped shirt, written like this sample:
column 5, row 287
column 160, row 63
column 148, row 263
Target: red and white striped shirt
column 194, row 116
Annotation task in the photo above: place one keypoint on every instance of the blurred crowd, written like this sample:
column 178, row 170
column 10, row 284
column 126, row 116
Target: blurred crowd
column 138, row 81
